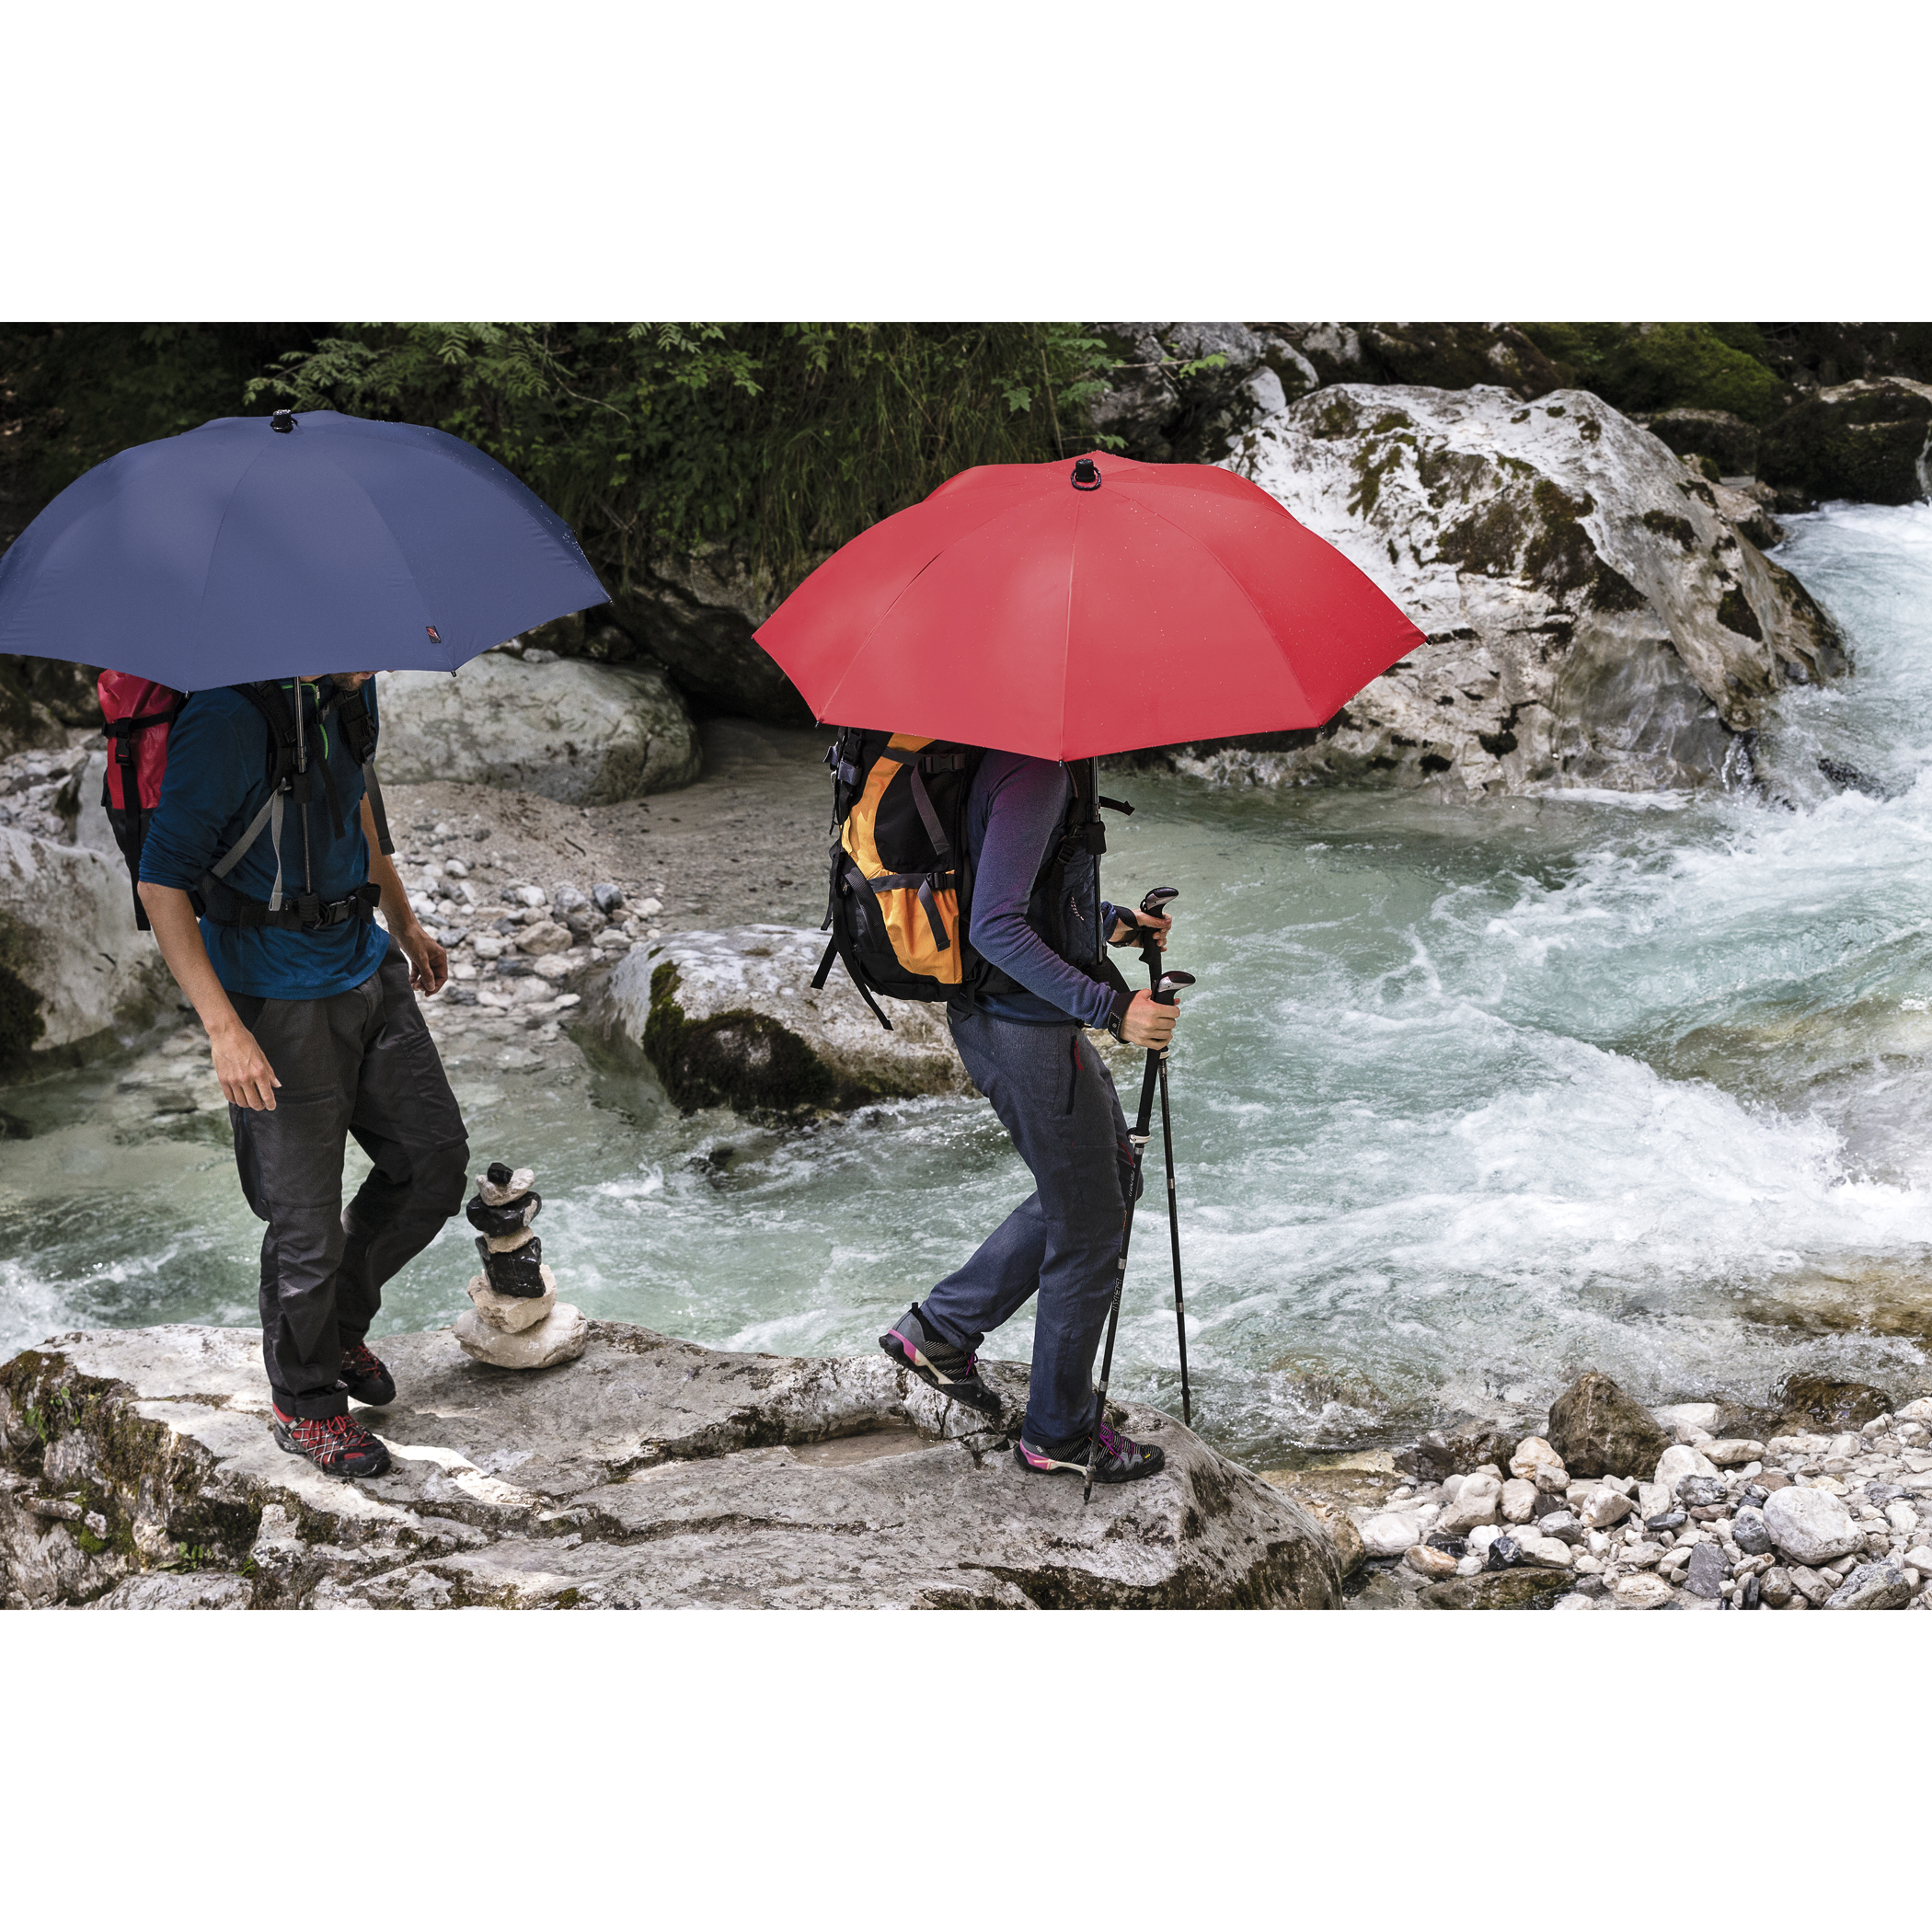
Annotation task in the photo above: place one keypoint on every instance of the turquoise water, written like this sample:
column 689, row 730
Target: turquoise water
column 1468, row 1098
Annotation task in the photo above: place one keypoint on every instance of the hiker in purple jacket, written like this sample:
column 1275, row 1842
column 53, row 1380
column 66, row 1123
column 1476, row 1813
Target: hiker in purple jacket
column 1039, row 919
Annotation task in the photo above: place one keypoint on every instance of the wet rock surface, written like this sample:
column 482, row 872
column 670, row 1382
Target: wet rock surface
column 76, row 978
column 139, row 1470
column 1868, row 440
column 1597, row 1430
column 730, row 1018
column 1593, row 617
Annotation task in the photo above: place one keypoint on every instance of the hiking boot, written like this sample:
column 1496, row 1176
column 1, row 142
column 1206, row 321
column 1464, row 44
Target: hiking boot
column 937, row 1363
column 1120, row 1460
column 336, row 1445
column 369, row 1380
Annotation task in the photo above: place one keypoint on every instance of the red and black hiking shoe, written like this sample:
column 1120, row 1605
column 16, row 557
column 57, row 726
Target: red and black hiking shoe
column 336, row 1445
column 369, row 1380
column 937, row 1363
column 1116, row 1457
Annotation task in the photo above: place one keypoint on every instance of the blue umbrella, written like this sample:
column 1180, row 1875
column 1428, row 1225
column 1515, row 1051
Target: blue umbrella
column 262, row 547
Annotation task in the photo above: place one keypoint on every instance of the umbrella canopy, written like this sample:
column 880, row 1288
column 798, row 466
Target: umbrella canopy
column 1071, row 609
column 258, row 547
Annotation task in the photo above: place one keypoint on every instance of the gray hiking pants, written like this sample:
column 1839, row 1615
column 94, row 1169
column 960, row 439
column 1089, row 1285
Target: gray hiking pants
column 1055, row 1096
column 360, row 1063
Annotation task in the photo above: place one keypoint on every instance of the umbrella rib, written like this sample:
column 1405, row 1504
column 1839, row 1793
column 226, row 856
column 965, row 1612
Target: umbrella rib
column 215, row 543
column 1247, row 597
column 904, row 590
column 1067, row 634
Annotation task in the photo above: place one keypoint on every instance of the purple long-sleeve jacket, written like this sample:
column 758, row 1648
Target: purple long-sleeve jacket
column 1013, row 811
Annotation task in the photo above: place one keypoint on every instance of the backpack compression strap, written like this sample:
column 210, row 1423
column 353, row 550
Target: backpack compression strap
column 357, row 728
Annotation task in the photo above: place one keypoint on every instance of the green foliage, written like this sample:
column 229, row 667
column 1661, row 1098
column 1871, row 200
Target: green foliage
column 1667, row 365
column 779, row 439
column 73, row 393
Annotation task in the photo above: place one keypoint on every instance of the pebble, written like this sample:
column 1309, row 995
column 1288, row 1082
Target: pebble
column 1679, row 1461
column 1477, row 1501
column 1812, row 1527
column 1544, row 1552
column 1872, row 1586
column 1519, row 1500
column 1708, row 1571
column 1534, row 1460
column 1606, row 1508
column 1798, row 1522
column 1390, row 1535
column 1642, row 1592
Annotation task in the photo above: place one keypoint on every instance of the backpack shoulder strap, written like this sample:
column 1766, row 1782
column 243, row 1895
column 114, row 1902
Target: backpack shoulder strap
column 267, row 697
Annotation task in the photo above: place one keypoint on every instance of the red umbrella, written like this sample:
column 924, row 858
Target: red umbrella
column 1071, row 609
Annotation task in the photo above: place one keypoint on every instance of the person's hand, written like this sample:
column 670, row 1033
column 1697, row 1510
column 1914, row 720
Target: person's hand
column 1148, row 1023
column 1130, row 922
column 243, row 1069
column 429, row 963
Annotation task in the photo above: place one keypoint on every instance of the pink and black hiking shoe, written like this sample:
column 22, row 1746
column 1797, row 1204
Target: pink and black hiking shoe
column 369, row 1380
column 336, row 1445
column 937, row 1363
column 1118, row 1460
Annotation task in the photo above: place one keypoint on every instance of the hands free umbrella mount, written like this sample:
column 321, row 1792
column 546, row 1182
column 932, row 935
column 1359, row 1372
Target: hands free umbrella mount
column 1164, row 987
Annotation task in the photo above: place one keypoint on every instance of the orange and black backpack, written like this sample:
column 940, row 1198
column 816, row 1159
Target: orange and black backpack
column 901, row 909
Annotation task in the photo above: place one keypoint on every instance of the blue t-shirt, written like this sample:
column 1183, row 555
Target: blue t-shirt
column 216, row 780
column 1013, row 812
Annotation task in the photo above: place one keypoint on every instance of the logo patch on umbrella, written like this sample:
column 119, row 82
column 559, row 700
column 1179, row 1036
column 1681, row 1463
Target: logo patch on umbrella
column 435, row 636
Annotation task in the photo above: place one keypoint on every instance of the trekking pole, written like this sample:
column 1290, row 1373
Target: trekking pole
column 1157, row 901
column 1138, row 1135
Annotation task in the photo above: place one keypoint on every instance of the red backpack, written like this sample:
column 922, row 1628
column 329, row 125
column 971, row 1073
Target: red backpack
column 139, row 715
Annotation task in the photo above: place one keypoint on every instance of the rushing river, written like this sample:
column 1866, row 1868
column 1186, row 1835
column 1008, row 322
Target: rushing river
column 1468, row 1098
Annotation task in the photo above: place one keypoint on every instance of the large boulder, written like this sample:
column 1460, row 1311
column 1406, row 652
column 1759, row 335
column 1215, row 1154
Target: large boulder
column 75, row 975
column 580, row 733
column 1598, row 1429
column 646, row 1473
column 1869, row 441
column 1592, row 618
column 730, row 1019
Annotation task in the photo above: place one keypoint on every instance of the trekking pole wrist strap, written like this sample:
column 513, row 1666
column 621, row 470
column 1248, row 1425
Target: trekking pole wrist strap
column 1117, row 1014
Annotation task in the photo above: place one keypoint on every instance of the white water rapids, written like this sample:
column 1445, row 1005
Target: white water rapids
column 1470, row 1098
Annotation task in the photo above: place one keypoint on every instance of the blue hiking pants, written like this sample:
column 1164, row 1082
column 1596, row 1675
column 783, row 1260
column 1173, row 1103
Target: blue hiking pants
column 1055, row 1098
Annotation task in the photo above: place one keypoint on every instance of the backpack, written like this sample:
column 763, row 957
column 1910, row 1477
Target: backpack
column 139, row 715
column 901, row 904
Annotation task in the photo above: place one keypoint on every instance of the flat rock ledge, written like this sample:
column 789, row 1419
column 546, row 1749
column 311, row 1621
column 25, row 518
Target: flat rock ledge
column 138, row 1471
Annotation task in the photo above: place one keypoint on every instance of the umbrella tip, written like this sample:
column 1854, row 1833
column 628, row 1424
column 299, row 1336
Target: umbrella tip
column 1086, row 474
column 284, row 421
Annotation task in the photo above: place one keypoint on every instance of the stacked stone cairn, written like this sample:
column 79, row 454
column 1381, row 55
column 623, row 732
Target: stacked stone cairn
column 1796, row 1522
column 517, row 1321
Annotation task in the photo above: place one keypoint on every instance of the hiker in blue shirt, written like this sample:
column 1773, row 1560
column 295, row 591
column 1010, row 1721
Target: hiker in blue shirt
column 315, row 1032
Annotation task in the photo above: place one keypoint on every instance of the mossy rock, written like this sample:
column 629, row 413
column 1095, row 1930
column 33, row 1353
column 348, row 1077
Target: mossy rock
column 1498, row 1589
column 1865, row 441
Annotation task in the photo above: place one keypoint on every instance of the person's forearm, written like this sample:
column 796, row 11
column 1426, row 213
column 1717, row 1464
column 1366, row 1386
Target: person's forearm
column 398, row 914
column 179, row 934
